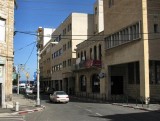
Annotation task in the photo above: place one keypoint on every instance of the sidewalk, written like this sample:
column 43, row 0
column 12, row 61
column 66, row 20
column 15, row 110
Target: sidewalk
column 26, row 105
column 150, row 107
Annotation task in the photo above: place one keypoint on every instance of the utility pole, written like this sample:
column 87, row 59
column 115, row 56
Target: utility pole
column 20, row 68
column 38, row 72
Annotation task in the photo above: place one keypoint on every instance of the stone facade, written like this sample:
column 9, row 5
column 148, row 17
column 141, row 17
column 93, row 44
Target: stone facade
column 137, row 50
column 6, row 50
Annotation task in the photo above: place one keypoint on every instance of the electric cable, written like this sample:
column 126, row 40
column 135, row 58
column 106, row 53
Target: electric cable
column 30, row 54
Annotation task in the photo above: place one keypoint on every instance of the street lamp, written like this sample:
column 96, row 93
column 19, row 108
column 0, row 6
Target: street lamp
column 38, row 70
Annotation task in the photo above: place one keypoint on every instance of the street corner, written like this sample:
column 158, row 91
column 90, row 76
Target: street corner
column 36, row 109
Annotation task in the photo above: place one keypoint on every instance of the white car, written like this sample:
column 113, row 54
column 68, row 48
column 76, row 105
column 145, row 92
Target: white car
column 59, row 96
column 29, row 91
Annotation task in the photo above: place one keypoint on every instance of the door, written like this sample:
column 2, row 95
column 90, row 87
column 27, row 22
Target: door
column 116, row 85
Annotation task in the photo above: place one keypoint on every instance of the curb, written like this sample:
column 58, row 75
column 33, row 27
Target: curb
column 29, row 111
column 134, row 107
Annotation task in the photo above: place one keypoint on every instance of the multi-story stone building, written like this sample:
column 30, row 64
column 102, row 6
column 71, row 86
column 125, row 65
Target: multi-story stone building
column 89, row 62
column 6, row 50
column 71, row 32
column 132, row 48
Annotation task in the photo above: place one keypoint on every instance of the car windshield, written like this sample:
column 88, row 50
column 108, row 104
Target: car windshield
column 61, row 93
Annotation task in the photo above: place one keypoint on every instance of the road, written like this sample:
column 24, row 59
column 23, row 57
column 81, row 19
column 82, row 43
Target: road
column 86, row 111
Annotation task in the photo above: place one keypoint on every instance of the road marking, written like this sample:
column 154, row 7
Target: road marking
column 78, row 106
column 98, row 114
column 88, row 110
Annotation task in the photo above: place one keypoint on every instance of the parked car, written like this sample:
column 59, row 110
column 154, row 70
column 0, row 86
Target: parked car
column 14, row 88
column 29, row 91
column 59, row 96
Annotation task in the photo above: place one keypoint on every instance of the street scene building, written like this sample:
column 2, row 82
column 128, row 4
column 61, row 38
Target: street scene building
column 45, row 55
column 89, row 62
column 6, row 50
column 117, row 57
column 131, row 48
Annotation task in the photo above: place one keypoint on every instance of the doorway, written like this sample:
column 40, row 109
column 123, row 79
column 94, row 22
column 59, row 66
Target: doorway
column 116, row 85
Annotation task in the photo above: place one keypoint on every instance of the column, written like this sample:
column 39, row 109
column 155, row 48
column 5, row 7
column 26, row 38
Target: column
column 144, row 61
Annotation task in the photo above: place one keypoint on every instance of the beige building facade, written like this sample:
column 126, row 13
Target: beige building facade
column 132, row 60
column 6, row 51
column 89, row 67
column 73, row 30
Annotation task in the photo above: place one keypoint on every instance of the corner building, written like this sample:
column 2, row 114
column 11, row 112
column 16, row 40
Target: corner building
column 6, row 51
column 132, row 44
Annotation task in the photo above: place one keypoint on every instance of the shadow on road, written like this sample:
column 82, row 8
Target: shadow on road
column 144, row 116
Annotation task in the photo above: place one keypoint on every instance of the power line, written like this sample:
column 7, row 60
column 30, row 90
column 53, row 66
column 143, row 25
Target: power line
column 25, row 46
column 30, row 55
column 91, row 35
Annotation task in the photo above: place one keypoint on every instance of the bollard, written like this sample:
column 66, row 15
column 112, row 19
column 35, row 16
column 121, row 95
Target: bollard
column 17, row 106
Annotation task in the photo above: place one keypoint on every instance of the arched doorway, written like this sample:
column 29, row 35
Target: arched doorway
column 83, row 83
column 95, row 83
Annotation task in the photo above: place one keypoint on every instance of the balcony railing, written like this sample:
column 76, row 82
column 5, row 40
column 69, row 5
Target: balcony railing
column 86, row 64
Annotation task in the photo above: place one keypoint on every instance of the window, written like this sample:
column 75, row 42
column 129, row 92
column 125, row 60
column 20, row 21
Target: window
column 83, row 83
column 154, row 72
column 155, row 28
column 110, row 3
column 90, row 53
column 81, row 55
column 69, row 44
column 125, row 35
column 64, row 47
column 100, row 52
column 2, row 30
column 133, row 73
column 69, row 62
column 95, row 53
column 78, row 55
column 64, row 31
column 95, row 84
column 95, row 10
column 64, row 64
column 85, row 55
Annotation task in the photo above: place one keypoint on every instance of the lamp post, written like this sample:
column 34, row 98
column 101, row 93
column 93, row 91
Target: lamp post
column 38, row 72
column 38, row 69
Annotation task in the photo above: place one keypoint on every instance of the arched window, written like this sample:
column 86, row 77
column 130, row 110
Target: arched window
column 95, row 53
column 90, row 53
column 100, row 52
column 85, row 55
column 83, row 83
column 95, row 84
column 81, row 55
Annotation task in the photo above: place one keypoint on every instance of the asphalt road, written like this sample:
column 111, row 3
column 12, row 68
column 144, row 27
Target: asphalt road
column 86, row 111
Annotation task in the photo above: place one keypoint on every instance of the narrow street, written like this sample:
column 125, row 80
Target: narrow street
column 86, row 111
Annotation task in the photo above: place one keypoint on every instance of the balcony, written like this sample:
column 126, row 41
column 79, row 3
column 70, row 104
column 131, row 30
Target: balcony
column 87, row 64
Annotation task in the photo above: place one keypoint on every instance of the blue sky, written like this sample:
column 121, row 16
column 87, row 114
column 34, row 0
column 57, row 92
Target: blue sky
column 45, row 13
